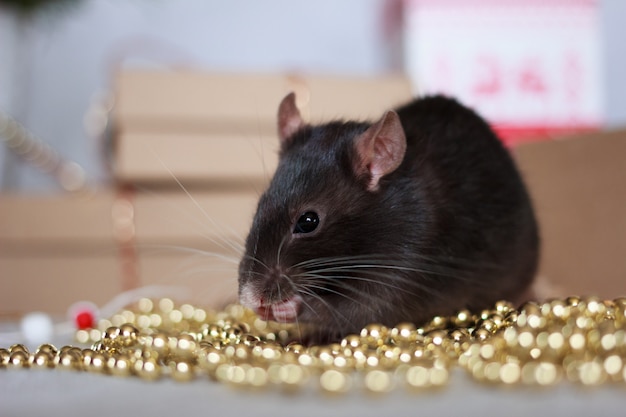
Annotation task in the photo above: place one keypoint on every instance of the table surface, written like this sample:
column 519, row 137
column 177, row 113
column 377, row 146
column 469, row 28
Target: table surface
column 62, row 393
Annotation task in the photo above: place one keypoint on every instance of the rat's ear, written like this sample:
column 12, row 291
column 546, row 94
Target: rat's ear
column 380, row 149
column 289, row 119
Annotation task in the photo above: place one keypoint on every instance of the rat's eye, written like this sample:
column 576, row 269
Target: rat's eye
column 307, row 222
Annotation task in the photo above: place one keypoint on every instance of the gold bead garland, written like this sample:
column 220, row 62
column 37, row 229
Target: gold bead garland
column 582, row 340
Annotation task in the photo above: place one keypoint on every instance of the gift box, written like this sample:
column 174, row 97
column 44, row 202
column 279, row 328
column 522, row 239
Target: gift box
column 534, row 69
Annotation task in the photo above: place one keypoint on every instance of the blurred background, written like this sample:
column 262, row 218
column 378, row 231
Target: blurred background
column 192, row 87
column 59, row 57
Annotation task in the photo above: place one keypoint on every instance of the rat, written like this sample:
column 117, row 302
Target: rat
column 420, row 213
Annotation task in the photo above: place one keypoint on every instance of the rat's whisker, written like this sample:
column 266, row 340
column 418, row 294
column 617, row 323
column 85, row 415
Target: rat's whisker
column 257, row 261
column 361, row 279
column 339, row 318
column 191, row 250
column 330, row 290
column 238, row 248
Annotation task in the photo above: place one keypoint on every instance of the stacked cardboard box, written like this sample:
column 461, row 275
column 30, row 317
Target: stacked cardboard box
column 191, row 154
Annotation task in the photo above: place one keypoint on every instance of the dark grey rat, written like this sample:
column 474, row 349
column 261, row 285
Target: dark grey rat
column 421, row 213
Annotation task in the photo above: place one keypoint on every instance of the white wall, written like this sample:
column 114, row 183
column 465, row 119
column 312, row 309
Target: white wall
column 51, row 67
column 614, row 35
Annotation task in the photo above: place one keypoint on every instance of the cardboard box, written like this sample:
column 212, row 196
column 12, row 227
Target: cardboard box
column 214, row 128
column 578, row 185
column 56, row 250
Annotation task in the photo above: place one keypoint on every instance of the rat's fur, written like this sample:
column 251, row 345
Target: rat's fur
column 452, row 227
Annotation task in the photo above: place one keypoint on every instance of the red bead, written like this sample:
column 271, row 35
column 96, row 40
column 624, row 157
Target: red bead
column 84, row 320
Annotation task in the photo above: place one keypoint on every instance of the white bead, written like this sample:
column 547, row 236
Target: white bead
column 37, row 328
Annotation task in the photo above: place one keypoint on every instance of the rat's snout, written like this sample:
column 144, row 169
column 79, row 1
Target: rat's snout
column 275, row 284
column 265, row 285
column 271, row 295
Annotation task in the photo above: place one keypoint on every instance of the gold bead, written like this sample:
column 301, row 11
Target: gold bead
column 324, row 355
column 234, row 374
column 120, row 365
column 491, row 371
column 559, row 309
column 159, row 342
column 182, row 371
column 128, row 335
column 4, row 357
column 250, row 340
column 526, row 338
column 510, row 373
column 487, row 351
column 541, row 373
column 69, row 357
column 82, row 336
column 577, row 341
column 210, row 358
column 497, row 319
column 147, row 369
column 459, row 338
column 481, row 334
column 374, row 335
column 437, row 323
column 404, row 333
column 97, row 363
column 572, row 301
column 342, row 362
column 378, row 381
column 418, row 376
column 306, row 359
column 183, row 346
column 175, row 317
column 595, row 307
column 438, row 376
column 19, row 358
column 288, row 376
column 213, row 332
column 145, row 305
column 187, row 310
column 234, row 332
column 591, row 373
column 435, row 337
column 47, row 348
column 270, row 351
column 613, row 366
column 199, row 315
column 165, row 305
column 511, row 317
column 463, row 318
column 111, row 338
column 503, row 307
column 18, row 348
column 295, row 348
column 333, row 381
column 42, row 359
column 352, row 342
column 256, row 376
column 236, row 311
